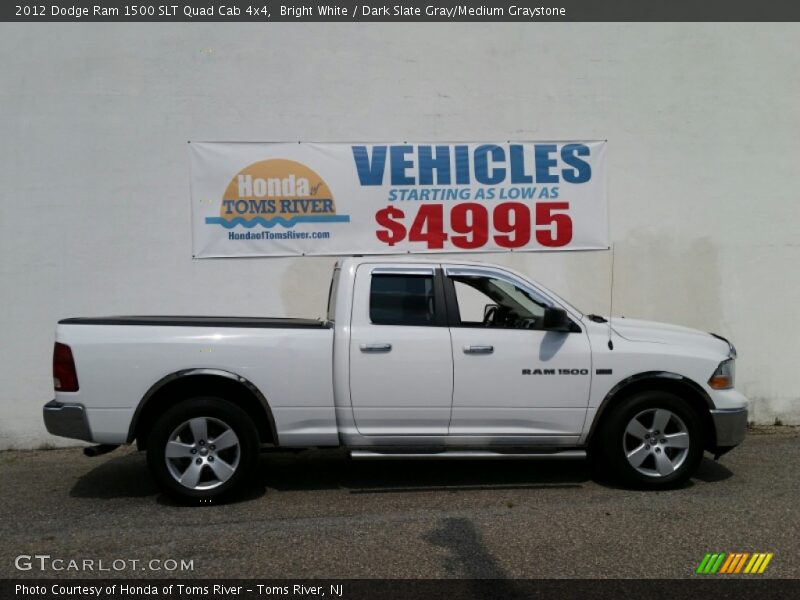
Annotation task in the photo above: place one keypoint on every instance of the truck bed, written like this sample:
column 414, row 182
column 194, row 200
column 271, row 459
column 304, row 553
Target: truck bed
column 288, row 360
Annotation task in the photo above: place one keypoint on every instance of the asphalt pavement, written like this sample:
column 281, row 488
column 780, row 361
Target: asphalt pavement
column 319, row 514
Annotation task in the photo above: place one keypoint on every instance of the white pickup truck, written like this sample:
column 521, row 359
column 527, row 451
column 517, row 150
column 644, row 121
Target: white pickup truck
column 415, row 360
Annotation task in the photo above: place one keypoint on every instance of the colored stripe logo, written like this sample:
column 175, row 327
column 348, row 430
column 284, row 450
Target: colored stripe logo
column 734, row 562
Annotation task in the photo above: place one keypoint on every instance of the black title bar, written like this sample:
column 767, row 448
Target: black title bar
column 264, row 11
column 735, row 588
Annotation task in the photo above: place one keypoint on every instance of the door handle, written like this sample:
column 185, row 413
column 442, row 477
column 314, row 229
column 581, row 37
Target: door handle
column 478, row 349
column 376, row 347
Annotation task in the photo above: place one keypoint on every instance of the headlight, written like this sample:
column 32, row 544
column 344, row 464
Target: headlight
column 722, row 379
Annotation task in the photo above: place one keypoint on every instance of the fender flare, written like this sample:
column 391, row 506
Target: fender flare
column 647, row 375
column 184, row 373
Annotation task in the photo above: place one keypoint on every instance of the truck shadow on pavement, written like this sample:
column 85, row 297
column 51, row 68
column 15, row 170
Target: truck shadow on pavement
column 116, row 477
column 314, row 470
column 711, row 471
column 127, row 476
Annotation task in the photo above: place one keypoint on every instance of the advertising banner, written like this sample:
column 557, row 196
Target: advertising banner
column 300, row 199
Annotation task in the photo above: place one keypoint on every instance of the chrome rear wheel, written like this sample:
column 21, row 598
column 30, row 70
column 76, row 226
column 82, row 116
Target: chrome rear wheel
column 202, row 453
column 203, row 448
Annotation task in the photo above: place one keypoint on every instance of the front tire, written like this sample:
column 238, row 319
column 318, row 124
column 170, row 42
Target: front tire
column 652, row 440
column 203, row 448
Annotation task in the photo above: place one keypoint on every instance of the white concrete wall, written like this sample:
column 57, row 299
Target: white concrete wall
column 704, row 155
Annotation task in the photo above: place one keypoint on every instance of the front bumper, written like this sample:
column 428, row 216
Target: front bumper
column 730, row 425
column 67, row 420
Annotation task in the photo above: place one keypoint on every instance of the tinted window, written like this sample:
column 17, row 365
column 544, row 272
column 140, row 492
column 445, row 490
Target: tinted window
column 401, row 300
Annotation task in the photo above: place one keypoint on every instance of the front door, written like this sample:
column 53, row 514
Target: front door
column 512, row 377
column 401, row 361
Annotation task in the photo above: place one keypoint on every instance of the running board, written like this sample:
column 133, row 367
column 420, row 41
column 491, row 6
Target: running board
column 470, row 455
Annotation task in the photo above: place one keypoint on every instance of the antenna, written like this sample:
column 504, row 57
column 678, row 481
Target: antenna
column 611, row 300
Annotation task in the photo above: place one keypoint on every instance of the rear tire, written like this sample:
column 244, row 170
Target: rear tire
column 652, row 440
column 203, row 448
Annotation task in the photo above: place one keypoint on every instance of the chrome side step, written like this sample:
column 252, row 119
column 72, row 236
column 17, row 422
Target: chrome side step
column 469, row 455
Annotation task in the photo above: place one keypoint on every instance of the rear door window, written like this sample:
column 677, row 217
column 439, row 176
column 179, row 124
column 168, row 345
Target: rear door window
column 397, row 299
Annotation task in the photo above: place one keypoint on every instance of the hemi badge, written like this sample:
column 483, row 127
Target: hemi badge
column 603, row 371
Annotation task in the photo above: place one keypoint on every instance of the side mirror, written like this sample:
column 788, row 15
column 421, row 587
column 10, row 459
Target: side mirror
column 556, row 319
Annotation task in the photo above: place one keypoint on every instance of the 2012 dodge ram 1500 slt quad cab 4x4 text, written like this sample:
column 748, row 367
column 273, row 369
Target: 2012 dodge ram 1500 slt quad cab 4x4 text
column 415, row 359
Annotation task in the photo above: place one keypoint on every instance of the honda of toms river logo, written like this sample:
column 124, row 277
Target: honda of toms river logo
column 734, row 562
column 276, row 192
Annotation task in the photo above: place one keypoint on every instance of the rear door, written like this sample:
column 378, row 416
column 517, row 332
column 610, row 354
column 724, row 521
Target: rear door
column 401, row 360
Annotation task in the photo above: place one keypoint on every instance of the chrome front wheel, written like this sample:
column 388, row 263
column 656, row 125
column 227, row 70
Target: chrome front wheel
column 656, row 442
column 652, row 439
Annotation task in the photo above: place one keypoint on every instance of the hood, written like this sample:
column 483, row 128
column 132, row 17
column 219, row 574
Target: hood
column 637, row 330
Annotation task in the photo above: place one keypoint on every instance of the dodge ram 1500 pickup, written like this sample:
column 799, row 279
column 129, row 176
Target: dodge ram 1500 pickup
column 414, row 360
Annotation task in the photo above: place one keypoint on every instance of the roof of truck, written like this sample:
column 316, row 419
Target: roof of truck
column 413, row 258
